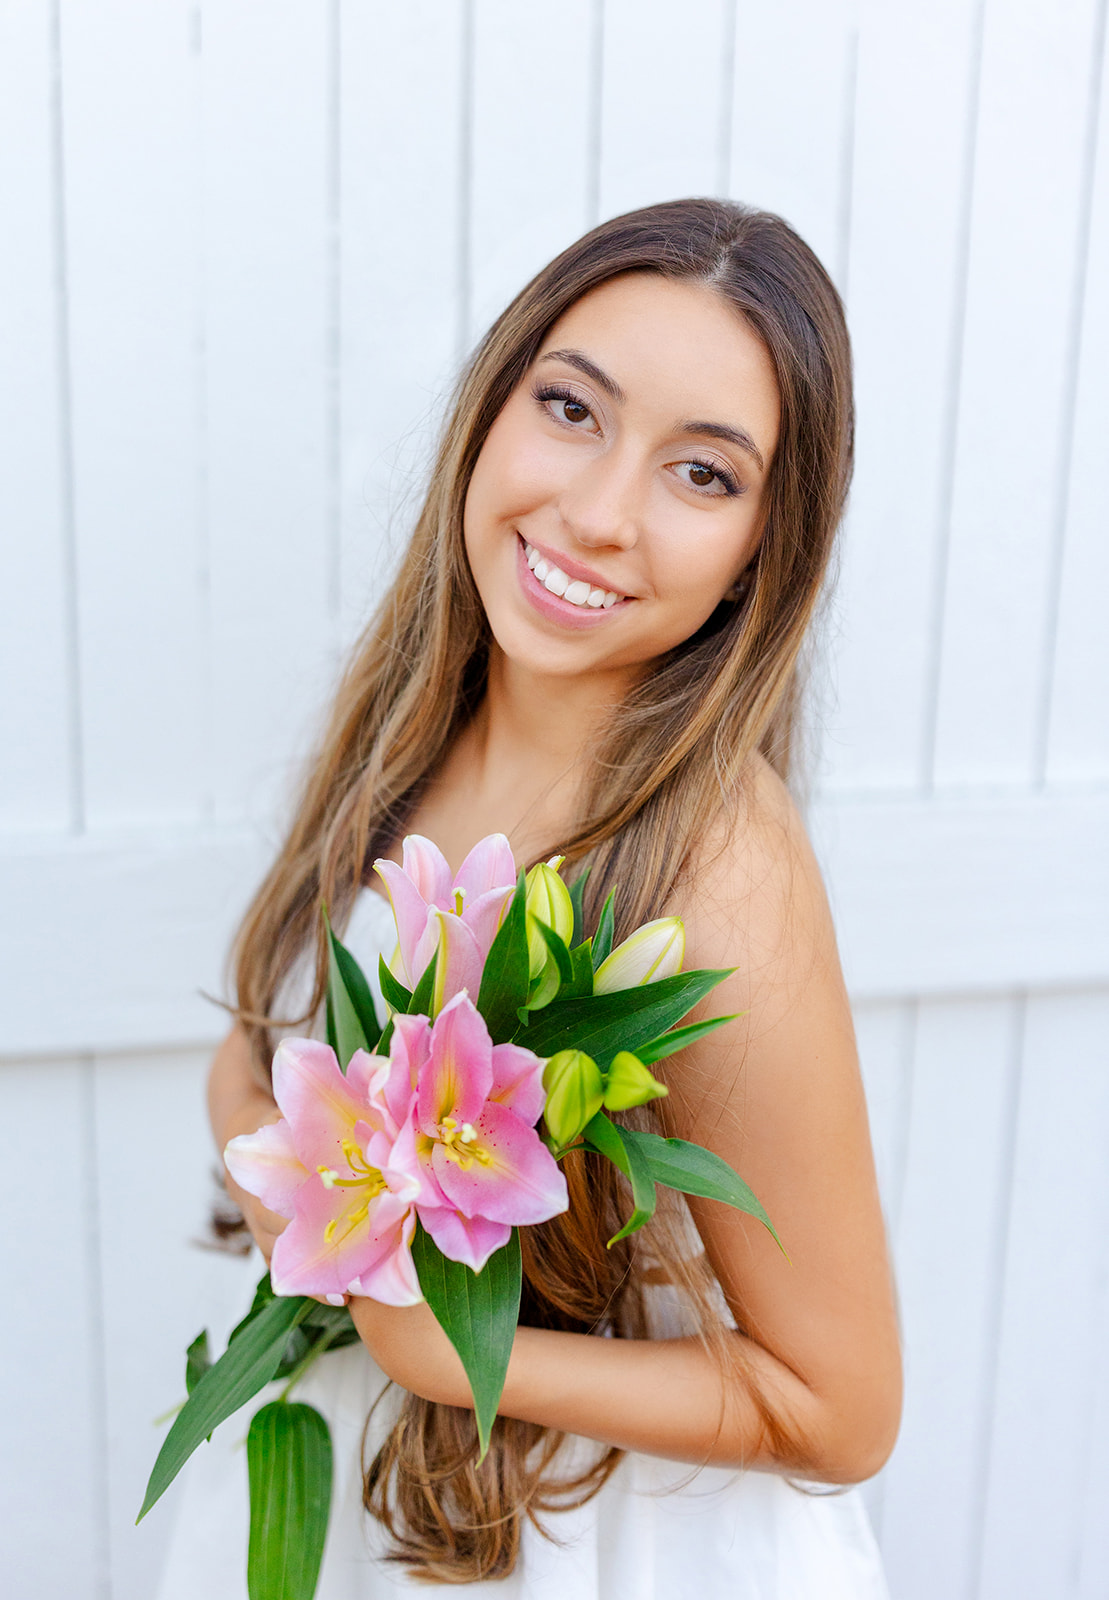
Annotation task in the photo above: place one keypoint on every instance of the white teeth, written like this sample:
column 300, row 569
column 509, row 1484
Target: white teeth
column 576, row 590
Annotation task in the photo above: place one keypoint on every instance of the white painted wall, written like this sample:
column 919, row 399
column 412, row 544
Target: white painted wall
column 244, row 249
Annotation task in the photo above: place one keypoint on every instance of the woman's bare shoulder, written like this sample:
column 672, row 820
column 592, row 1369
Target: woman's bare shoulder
column 753, row 884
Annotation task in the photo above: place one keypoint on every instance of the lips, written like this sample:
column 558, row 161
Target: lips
column 575, row 591
column 572, row 611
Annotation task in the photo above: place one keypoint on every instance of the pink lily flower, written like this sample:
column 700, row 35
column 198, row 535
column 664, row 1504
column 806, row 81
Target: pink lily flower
column 473, row 1106
column 458, row 917
column 345, row 1172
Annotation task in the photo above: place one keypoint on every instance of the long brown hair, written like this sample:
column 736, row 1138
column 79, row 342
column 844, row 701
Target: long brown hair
column 675, row 756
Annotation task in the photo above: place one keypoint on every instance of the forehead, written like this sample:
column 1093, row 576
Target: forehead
column 678, row 350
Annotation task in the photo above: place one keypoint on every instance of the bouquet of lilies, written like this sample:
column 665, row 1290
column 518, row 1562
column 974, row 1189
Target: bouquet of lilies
column 410, row 1152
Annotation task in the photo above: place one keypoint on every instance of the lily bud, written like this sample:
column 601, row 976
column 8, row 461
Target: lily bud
column 628, row 1083
column 654, row 951
column 547, row 900
column 575, row 1091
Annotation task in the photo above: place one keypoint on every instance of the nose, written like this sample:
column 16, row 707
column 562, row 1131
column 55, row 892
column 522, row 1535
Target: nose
column 602, row 505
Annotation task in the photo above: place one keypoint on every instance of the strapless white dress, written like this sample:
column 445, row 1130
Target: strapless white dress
column 656, row 1531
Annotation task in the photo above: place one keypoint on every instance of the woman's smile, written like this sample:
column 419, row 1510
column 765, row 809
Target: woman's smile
column 564, row 592
column 603, row 526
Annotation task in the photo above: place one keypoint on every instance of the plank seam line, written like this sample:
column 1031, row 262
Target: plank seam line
column 333, row 357
column 75, row 708
column 596, row 115
column 727, row 98
column 465, row 179
column 1073, row 363
column 97, row 1352
column 949, row 448
column 1003, row 1213
column 846, row 198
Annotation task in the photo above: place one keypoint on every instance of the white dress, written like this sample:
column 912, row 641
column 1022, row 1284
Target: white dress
column 655, row 1531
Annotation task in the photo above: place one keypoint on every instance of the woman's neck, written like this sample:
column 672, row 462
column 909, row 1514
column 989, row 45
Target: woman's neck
column 519, row 766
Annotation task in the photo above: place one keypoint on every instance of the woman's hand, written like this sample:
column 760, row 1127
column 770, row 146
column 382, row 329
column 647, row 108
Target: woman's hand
column 237, row 1103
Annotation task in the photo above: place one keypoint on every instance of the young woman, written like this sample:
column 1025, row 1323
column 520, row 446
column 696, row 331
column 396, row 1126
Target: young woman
column 592, row 646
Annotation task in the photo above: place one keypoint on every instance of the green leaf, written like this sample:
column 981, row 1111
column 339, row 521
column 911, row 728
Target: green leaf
column 504, row 979
column 668, row 1044
column 351, row 1009
column 392, row 988
column 333, row 1322
column 577, row 895
column 582, row 982
column 561, row 956
column 677, row 1164
column 329, row 1018
column 602, row 1024
column 478, row 1312
column 420, row 1002
column 618, row 1144
column 288, row 1453
column 263, row 1294
column 247, row 1365
column 602, row 939
column 197, row 1360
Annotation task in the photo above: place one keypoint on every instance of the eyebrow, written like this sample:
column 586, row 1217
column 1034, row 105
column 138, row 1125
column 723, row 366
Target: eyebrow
column 712, row 430
column 722, row 430
column 575, row 358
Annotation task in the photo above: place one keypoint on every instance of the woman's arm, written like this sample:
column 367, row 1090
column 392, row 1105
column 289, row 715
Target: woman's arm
column 238, row 1104
column 778, row 1095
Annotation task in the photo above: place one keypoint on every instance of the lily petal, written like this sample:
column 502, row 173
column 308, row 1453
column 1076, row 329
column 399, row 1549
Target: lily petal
column 516, row 1180
column 489, row 865
column 484, row 916
column 460, row 960
column 518, row 1081
column 392, row 1278
column 314, row 1257
column 468, row 1239
column 426, row 865
column 266, row 1164
column 410, row 1049
column 459, row 1074
column 318, row 1101
column 410, row 913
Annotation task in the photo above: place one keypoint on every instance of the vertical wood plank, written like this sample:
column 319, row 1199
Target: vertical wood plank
column 1077, row 734
column 792, row 115
column 914, row 104
column 529, row 150
column 886, row 1033
column 949, row 1242
column 1014, row 396
column 1052, row 1352
column 154, row 1156
column 35, row 681
column 663, row 105
column 128, row 94
column 51, row 1523
column 266, row 107
column 400, row 204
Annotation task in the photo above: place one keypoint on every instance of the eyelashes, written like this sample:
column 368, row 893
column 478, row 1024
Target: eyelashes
column 545, row 393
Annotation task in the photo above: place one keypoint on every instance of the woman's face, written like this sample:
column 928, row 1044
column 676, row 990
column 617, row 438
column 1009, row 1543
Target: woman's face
column 620, row 492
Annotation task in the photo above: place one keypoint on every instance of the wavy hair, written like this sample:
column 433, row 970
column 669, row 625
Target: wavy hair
column 673, row 759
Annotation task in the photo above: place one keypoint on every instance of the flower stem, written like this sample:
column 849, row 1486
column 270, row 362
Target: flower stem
column 307, row 1359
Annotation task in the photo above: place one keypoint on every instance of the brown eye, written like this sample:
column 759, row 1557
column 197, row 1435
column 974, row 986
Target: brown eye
column 574, row 411
column 701, row 476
